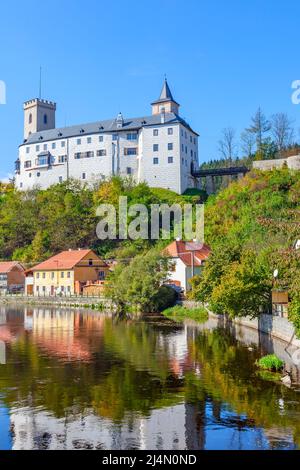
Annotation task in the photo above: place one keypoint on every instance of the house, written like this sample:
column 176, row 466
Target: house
column 160, row 148
column 189, row 258
column 12, row 277
column 67, row 272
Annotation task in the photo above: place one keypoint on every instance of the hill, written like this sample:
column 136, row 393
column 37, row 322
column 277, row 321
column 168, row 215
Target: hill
column 252, row 226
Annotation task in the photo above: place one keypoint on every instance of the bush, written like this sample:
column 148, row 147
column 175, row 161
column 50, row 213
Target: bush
column 270, row 362
column 180, row 313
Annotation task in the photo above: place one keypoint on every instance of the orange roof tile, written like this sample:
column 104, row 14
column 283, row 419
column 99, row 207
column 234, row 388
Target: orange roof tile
column 6, row 266
column 183, row 250
column 64, row 260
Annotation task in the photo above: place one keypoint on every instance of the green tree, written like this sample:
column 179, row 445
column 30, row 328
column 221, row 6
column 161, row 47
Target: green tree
column 139, row 284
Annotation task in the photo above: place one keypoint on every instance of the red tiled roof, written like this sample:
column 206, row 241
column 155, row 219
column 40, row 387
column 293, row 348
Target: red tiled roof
column 6, row 266
column 64, row 260
column 185, row 250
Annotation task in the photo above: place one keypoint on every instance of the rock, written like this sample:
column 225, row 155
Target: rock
column 286, row 380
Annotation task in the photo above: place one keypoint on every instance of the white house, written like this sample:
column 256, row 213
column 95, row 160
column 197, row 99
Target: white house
column 161, row 149
column 189, row 258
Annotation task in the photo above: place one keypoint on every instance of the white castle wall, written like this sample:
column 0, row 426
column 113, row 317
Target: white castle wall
column 175, row 176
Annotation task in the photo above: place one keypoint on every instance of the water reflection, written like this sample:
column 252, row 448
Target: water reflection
column 78, row 379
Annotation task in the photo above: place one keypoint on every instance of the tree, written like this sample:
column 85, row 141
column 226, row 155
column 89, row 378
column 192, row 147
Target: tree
column 282, row 131
column 139, row 284
column 259, row 126
column 227, row 144
column 247, row 143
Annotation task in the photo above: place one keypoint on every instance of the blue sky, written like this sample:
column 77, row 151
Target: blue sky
column 222, row 60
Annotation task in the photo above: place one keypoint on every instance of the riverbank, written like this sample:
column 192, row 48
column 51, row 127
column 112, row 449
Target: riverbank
column 271, row 325
column 98, row 303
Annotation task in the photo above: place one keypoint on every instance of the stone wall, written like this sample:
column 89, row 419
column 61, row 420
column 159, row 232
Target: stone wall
column 293, row 163
column 273, row 326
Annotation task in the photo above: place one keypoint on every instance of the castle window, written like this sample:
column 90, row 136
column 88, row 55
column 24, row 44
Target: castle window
column 68, row 274
column 21, row 185
column 128, row 170
column 115, row 137
column 45, row 119
column 132, row 136
column 182, row 147
column 191, row 139
column 62, row 158
column 170, row 130
column 29, row 175
column 63, row 143
column 192, row 153
column 155, row 147
column 100, row 138
column 83, row 176
column 89, row 140
column 155, row 161
column 60, row 179
column 30, row 118
column 62, row 274
column 101, row 153
column 27, row 164
column 42, row 160
column 27, row 149
column 185, row 149
column 130, row 151
column 45, row 146
column 77, row 155
column 53, row 145
column 155, row 132
column 170, row 146
column 170, row 159
column 38, row 174
column 37, row 148
column 78, row 141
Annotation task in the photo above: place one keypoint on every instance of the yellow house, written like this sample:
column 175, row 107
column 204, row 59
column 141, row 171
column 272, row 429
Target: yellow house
column 68, row 272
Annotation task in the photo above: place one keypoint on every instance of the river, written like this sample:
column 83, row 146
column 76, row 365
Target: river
column 78, row 379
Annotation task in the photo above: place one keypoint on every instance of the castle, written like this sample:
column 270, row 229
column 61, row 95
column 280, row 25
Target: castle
column 160, row 149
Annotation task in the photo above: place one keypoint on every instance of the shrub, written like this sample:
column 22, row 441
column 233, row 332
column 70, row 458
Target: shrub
column 270, row 362
column 180, row 313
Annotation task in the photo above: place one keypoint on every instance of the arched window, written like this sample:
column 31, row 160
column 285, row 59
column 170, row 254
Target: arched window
column 30, row 118
column 45, row 118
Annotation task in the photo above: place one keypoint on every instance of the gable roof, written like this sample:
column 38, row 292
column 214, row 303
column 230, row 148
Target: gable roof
column 185, row 250
column 64, row 260
column 7, row 266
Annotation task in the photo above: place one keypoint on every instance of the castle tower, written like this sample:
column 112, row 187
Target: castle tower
column 39, row 115
column 165, row 102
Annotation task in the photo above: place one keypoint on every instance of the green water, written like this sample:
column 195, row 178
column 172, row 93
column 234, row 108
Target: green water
column 78, row 379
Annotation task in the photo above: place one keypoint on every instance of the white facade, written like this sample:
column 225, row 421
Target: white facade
column 182, row 273
column 159, row 149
